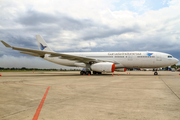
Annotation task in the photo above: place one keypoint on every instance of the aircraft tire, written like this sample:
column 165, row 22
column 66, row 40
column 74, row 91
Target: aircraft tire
column 82, row 72
column 88, row 72
column 155, row 73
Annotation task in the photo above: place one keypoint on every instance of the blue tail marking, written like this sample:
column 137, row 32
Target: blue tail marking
column 42, row 47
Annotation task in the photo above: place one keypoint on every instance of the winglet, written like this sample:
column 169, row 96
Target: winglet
column 7, row 45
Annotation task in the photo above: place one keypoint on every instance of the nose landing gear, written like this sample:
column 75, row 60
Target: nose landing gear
column 156, row 73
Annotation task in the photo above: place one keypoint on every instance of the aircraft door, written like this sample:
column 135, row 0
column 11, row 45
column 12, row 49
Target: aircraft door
column 158, row 57
column 129, row 61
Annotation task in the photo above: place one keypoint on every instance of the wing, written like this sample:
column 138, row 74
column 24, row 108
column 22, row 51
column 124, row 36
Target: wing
column 39, row 53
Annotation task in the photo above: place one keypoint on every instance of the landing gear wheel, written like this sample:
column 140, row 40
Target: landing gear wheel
column 88, row 72
column 82, row 72
column 155, row 73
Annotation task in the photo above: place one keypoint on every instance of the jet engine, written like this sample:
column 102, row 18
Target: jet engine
column 103, row 67
column 121, row 70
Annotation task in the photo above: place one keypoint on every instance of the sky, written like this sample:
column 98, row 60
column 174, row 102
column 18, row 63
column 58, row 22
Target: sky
column 87, row 25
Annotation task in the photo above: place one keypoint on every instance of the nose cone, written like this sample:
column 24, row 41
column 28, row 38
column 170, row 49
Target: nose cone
column 176, row 60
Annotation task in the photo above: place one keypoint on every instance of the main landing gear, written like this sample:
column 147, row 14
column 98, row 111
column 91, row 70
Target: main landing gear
column 87, row 70
column 85, row 73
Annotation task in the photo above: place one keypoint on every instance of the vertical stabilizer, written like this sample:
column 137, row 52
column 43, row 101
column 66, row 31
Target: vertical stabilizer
column 42, row 44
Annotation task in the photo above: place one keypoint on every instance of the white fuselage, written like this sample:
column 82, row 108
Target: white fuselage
column 121, row 59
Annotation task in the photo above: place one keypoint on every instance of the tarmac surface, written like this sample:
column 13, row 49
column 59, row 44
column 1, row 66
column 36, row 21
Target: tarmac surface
column 69, row 96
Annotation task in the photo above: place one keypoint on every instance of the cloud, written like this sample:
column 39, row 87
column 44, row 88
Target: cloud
column 35, row 18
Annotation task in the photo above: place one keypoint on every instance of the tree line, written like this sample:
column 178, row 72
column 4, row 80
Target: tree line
column 36, row 69
column 61, row 69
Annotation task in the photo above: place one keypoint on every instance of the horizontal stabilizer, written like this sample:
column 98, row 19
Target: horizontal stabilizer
column 7, row 45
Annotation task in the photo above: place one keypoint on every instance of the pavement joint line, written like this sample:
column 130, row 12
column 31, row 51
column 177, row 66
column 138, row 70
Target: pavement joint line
column 13, row 113
column 40, row 105
column 25, row 84
column 80, row 85
column 170, row 89
column 115, row 83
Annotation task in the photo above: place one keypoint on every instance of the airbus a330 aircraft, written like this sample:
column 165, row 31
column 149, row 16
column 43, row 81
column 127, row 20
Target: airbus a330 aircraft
column 99, row 62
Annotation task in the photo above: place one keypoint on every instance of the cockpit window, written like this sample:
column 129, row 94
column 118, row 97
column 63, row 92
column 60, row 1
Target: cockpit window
column 170, row 56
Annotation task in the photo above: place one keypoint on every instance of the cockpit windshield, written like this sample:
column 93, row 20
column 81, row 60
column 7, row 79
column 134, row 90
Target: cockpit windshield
column 170, row 56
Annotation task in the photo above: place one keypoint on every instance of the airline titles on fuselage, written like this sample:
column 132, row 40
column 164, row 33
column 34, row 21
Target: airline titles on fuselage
column 124, row 53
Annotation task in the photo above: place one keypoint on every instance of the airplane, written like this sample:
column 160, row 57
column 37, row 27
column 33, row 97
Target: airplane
column 100, row 62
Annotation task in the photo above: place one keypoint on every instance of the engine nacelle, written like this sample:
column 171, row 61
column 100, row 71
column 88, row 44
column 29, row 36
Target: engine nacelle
column 121, row 69
column 103, row 67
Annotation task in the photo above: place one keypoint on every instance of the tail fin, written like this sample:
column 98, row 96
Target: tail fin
column 42, row 44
